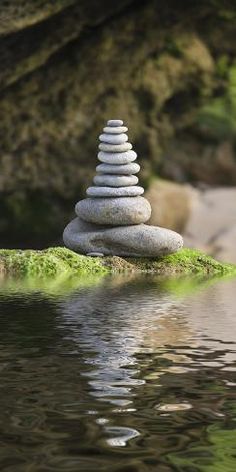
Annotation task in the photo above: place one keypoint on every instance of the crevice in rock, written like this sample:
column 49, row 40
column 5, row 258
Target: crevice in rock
column 27, row 50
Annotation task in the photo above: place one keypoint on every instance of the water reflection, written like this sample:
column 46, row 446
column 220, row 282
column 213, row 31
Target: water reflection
column 124, row 375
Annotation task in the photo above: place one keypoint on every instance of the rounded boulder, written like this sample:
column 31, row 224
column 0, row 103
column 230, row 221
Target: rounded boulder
column 125, row 241
column 114, row 211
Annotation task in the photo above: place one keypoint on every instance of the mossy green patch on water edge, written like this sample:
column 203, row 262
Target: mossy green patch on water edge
column 47, row 263
column 57, row 261
column 186, row 261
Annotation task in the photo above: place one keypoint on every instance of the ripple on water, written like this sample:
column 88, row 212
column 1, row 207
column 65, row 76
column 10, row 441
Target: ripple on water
column 120, row 376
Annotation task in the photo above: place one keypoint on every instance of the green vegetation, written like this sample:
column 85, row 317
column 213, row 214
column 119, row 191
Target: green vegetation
column 48, row 263
column 218, row 456
column 194, row 261
column 218, row 117
column 58, row 261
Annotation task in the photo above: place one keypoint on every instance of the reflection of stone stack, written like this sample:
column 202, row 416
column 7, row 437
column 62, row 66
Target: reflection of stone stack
column 111, row 220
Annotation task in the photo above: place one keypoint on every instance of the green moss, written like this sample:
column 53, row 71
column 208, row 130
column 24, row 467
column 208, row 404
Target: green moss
column 47, row 263
column 191, row 260
column 186, row 261
column 57, row 261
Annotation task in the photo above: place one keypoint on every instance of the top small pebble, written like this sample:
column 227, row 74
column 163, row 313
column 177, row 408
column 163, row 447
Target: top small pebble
column 115, row 123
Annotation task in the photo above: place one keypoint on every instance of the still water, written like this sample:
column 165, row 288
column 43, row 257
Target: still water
column 123, row 375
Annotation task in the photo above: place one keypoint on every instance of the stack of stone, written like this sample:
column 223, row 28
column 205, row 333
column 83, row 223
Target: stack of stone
column 111, row 221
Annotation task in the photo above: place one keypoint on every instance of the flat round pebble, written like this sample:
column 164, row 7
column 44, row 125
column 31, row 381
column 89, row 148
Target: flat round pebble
column 126, row 169
column 115, row 180
column 95, row 254
column 115, row 147
column 115, row 129
column 132, row 191
column 115, row 123
column 114, row 211
column 113, row 138
column 117, row 158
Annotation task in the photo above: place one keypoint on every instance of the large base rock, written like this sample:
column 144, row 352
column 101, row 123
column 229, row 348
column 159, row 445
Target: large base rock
column 134, row 241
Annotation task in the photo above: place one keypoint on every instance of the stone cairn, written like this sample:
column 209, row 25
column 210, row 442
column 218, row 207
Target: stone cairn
column 111, row 221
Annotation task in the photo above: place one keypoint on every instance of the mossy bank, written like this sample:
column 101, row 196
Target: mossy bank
column 57, row 261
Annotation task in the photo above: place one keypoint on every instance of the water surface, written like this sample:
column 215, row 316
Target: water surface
column 125, row 375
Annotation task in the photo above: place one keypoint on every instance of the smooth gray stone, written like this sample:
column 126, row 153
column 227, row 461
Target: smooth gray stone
column 129, row 241
column 114, row 211
column 115, row 147
column 95, row 254
column 115, row 180
column 115, row 129
column 113, row 138
column 132, row 191
column 126, row 169
column 115, row 123
column 117, row 158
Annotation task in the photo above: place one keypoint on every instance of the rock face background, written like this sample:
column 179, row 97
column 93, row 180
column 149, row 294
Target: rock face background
column 211, row 225
column 167, row 68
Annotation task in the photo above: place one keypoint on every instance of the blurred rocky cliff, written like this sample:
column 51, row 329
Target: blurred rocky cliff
column 167, row 68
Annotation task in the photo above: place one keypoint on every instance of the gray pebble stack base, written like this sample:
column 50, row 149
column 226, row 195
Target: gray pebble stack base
column 111, row 221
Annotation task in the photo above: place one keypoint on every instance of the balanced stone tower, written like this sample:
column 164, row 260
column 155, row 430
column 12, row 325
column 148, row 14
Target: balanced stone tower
column 111, row 221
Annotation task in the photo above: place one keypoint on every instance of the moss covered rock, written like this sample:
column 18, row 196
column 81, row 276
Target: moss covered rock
column 57, row 261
